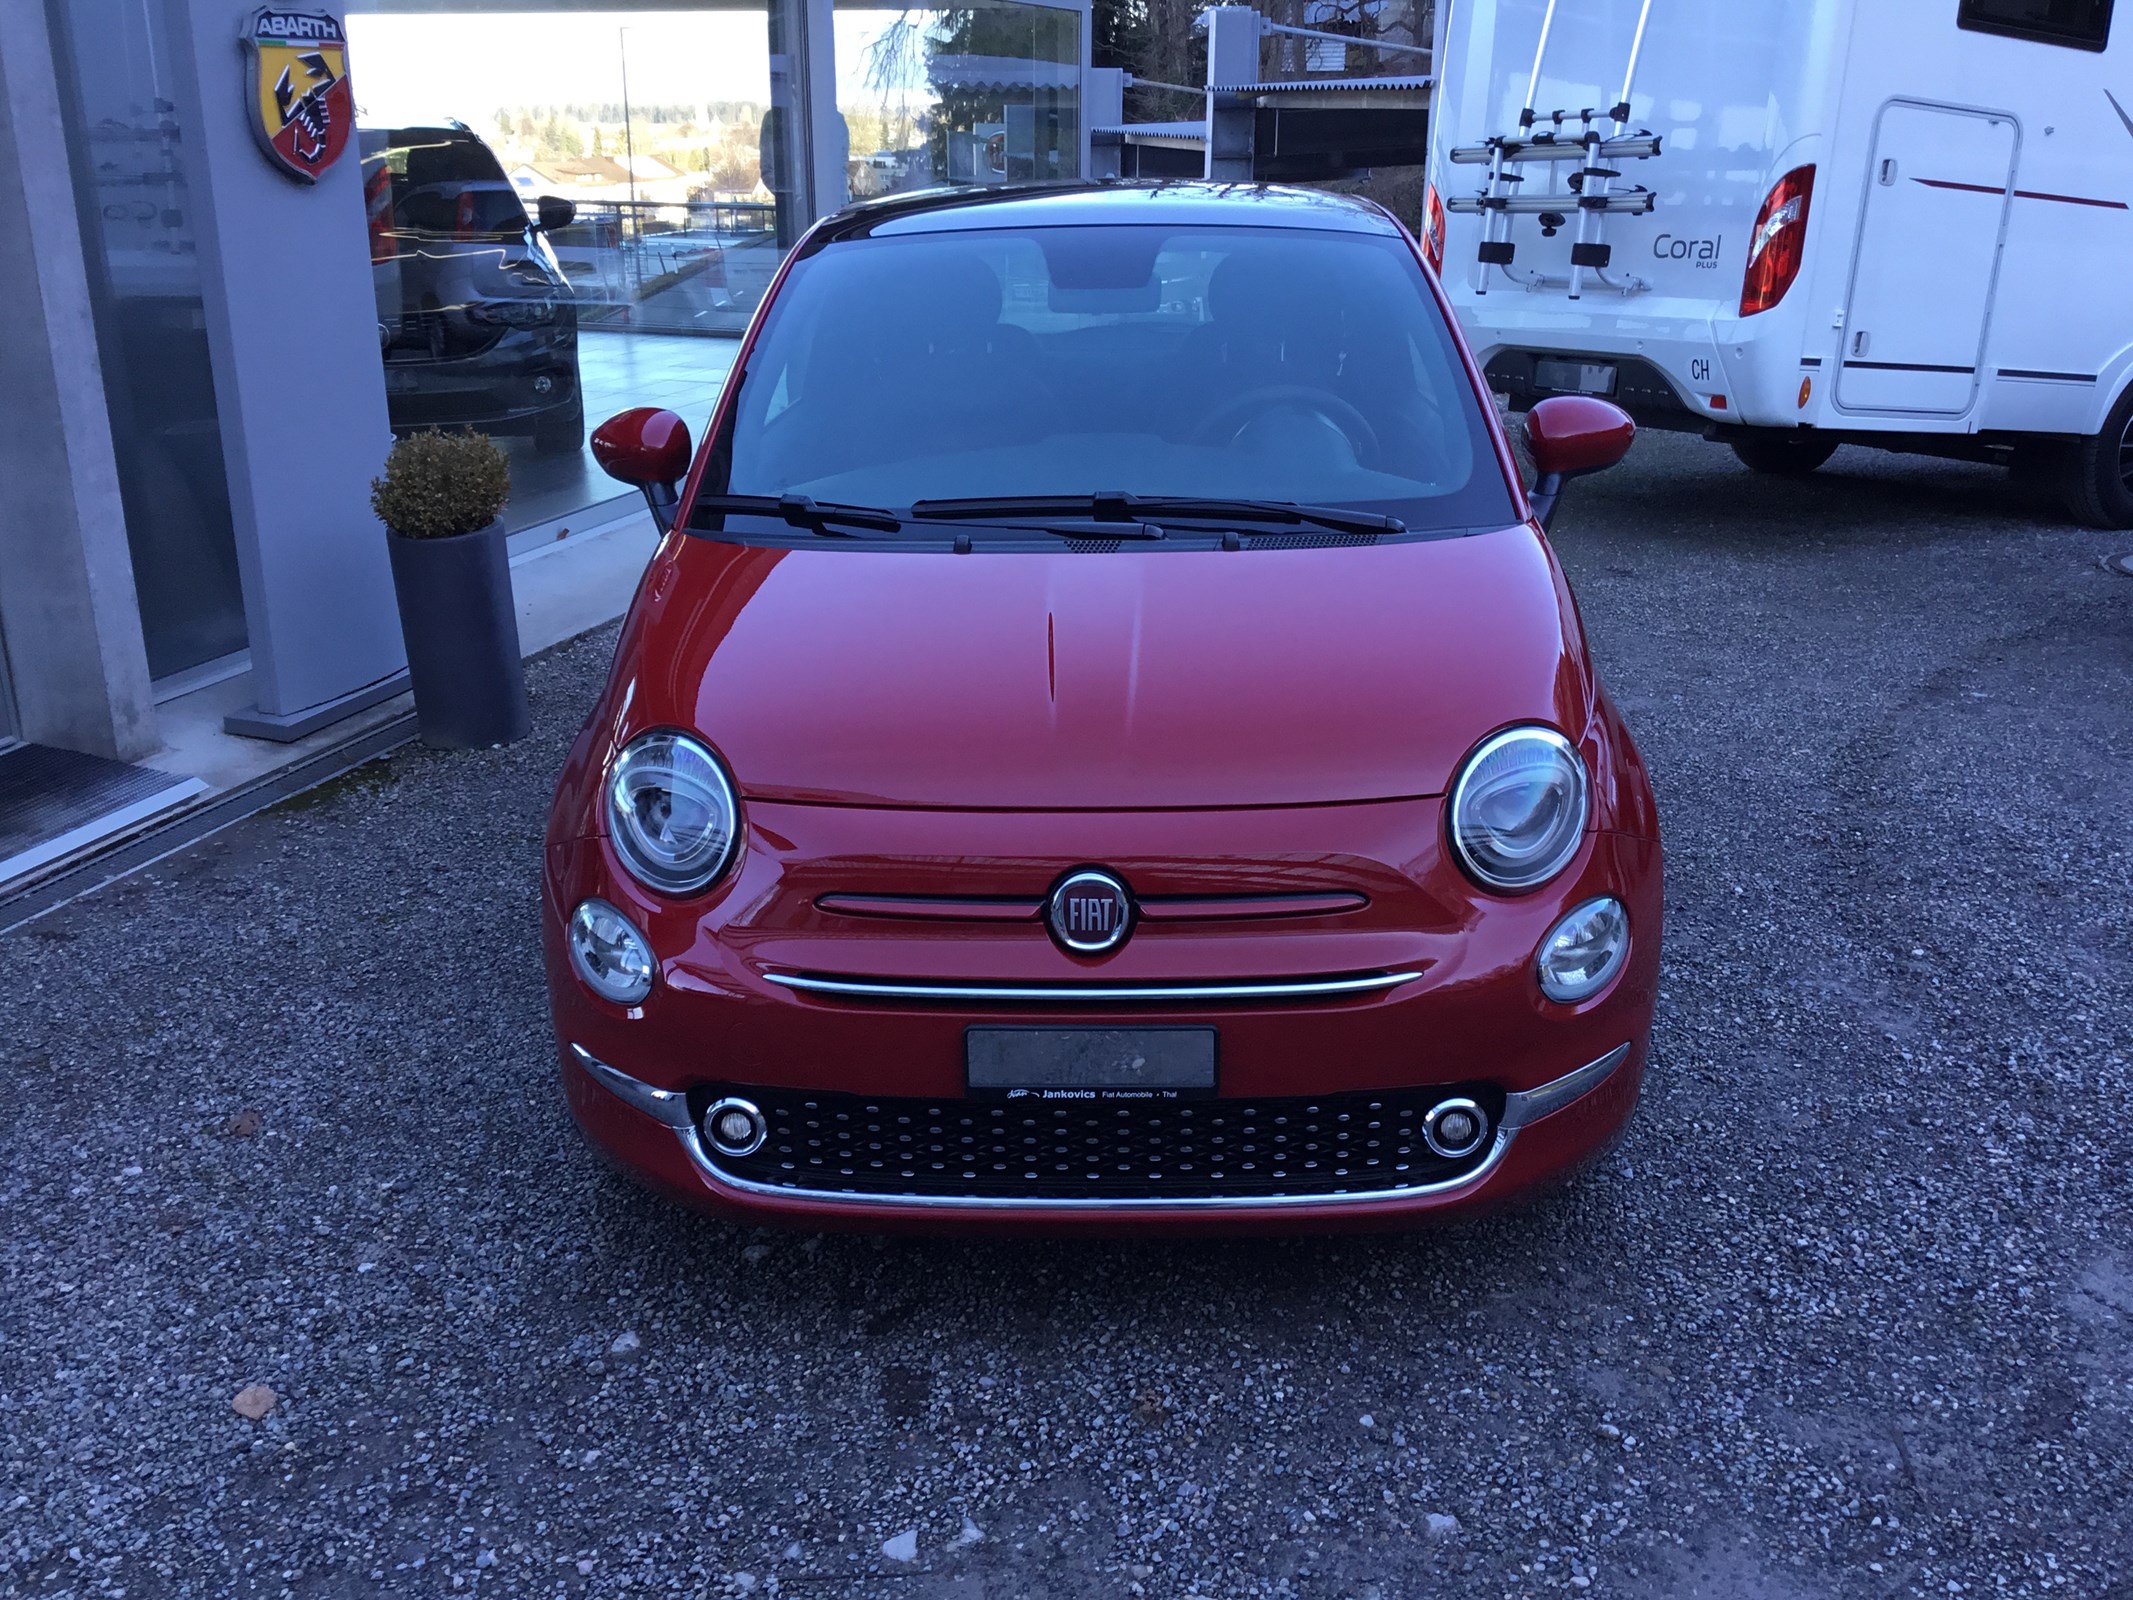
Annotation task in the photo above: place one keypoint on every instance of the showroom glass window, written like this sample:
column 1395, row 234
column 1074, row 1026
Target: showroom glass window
column 134, row 193
column 572, row 210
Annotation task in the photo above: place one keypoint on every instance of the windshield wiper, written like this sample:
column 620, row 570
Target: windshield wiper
column 802, row 511
column 1125, row 508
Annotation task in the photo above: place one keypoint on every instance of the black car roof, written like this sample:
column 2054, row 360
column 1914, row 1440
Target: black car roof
column 1085, row 204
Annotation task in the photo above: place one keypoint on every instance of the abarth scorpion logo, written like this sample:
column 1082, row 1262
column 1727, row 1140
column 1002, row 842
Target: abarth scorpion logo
column 1090, row 912
column 302, row 108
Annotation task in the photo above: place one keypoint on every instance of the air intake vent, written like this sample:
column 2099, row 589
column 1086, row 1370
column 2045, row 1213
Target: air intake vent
column 1094, row 547
column 1219, row 1148
column 1309, row 541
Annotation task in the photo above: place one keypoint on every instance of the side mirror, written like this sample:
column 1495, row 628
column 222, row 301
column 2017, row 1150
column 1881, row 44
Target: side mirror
column 1568, row 436
column 648, row 449
column 556, row 213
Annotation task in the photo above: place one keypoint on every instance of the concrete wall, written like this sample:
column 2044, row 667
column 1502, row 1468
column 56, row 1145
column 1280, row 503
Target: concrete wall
column 293, row 328
column 68, row 615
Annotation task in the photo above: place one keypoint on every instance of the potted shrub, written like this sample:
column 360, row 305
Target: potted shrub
column 441, row 500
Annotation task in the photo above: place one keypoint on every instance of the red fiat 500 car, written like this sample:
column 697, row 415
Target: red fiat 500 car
column 1104, row 743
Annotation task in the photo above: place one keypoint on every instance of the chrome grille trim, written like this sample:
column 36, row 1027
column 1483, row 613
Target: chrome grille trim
column 1089, row 993
column 693, row 1143
column 1521, row 1109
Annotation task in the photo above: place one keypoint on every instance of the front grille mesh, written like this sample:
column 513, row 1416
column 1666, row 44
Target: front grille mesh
column 1339, row 1144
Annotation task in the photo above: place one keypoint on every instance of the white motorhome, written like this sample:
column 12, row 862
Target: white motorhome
column 1790, row 224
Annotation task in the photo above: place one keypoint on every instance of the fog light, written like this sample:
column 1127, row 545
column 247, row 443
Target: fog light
column 543, row 384
column 1455, row 1128
column 1584, row 951
column 609, row 954
column 734, row 1127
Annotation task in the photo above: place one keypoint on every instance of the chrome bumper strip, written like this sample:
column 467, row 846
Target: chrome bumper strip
column 1521, row 1109
column 1085, row 994
column 692, row 1142
column 670, row 1106
column 1530, row 1105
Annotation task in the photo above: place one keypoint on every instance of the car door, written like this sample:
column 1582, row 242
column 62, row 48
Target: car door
column 1938, row 194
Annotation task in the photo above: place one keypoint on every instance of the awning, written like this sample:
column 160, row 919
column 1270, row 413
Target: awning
column 1000, row 72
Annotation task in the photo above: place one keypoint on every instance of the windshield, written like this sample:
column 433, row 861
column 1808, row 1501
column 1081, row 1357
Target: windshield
column 1230, row 362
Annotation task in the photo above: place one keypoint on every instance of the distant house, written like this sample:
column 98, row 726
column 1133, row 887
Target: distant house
column 602, row 178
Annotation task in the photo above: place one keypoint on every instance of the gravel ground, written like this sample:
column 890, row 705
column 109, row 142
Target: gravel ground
column 1850, row 1312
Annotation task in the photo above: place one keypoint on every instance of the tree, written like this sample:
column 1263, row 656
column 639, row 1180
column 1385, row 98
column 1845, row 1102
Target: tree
column 1150, row 39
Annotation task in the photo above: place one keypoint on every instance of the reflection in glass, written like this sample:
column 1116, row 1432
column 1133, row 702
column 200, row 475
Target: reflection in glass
column 657, row 126
column 976, row 94
column 476, row 324
column 131, row 171
column 548, row 188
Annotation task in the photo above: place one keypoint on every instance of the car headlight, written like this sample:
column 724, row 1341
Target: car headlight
column 671, row 812
column 609, row 954
column 1518, row 808
column 1584, row 951
column 513, row 313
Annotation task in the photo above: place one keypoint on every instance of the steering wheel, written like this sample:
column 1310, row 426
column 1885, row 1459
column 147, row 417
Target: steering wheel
column 1226, row 422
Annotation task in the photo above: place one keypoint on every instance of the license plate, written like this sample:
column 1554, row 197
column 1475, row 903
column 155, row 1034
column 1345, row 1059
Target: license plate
column 1090, row 1063
column 1575, row 377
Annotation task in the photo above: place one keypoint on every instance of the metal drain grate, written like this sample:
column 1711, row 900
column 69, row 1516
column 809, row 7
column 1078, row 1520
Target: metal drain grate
column 56, row 802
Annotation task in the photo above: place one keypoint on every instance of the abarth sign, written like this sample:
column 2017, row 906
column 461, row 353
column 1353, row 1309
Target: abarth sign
column 301, row 107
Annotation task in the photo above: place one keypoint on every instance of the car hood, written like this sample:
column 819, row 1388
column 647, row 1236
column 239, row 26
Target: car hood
column 1126, row 680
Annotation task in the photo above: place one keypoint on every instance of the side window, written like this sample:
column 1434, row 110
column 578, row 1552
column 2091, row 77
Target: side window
column 2077, row 24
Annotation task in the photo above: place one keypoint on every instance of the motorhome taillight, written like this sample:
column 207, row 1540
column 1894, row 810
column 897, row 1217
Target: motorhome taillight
column 1778, row 244
column 1433, row 230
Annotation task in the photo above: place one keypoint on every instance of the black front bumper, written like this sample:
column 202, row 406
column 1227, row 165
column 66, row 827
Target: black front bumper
column 497, row 403
column 1641, row 389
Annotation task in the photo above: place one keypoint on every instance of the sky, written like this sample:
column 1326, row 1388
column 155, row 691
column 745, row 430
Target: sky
column 411, row 68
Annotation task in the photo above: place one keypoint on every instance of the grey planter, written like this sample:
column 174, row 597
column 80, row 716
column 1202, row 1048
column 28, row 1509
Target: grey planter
column 461, row 626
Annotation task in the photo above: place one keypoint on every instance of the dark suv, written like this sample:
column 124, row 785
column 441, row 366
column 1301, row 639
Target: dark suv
column 476, row 322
